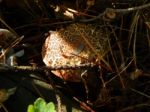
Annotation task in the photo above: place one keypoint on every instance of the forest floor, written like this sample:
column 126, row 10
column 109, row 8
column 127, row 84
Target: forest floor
column 121, row 77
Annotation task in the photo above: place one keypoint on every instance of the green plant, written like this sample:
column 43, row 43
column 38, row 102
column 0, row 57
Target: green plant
column 40, row 105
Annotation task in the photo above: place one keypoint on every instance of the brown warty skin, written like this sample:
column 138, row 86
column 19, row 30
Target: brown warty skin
column 67, row 47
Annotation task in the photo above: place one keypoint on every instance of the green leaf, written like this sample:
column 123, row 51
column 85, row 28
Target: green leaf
column 50, row 107
column 30, row 108
column 39, row 105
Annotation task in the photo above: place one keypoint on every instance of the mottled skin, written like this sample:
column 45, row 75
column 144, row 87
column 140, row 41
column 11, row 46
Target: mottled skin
column 67, row 47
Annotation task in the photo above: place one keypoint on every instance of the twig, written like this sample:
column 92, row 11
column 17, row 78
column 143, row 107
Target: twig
column 100, row 16
column 130, row 9
column 83, row 105
column 127, row 109
column 127, row 10
column 135, row 38
column 141, row 93
column 4, row 68
column 3, row 106
column 57, row 92
column 120, row 72
column 3, row 22
column 13, row 44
